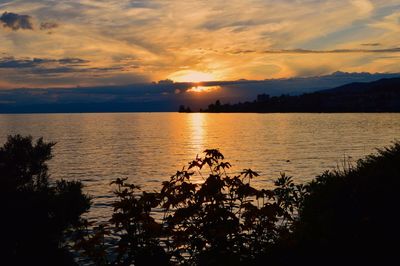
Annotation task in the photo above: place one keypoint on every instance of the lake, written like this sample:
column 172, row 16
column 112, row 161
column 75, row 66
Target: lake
column 150, row 147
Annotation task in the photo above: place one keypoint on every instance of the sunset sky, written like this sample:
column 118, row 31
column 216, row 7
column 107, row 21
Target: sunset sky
column 57, row 43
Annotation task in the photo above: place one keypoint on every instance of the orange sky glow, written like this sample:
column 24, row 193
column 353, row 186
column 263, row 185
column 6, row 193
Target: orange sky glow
column 83, row 43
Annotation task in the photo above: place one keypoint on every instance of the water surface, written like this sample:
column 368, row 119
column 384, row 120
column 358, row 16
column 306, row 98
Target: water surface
column 149, row 147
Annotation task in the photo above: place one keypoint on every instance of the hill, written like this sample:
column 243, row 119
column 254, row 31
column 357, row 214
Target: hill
column 377, row 96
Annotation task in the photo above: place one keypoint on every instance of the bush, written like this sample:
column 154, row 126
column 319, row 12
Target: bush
column 342, row 216
column 350, row 214
column 35, row 211
column 220, row 221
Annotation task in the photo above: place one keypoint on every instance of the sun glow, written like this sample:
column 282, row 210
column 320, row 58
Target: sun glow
column 191, row 76
column 199, row 89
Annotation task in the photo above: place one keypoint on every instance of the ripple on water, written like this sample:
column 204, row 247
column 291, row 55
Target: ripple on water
column 149, row 147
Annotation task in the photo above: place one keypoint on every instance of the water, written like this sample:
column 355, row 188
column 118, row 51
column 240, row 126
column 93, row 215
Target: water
column 149, row 147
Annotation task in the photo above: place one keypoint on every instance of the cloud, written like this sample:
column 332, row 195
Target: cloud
column 364, row 6
column 218, row 24
column 11, row 62
column 336, row 51
column 156, row 38
column 15, row 21
column 63, row 72
column 371, row 44
column 48, row 25
column 306, row 51
column 73, row 61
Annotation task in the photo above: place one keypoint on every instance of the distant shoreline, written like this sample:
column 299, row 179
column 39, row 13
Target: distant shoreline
column 382, row 96
column 174, row 112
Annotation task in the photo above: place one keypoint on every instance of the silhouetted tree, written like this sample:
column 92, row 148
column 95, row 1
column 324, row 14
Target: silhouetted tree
column 35, row 211
column 183, row 109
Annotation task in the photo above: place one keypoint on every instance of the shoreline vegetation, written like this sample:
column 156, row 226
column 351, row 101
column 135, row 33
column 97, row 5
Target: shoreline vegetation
column 378, row 96
column 206, row 215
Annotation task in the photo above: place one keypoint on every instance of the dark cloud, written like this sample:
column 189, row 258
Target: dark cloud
column 242, row 51
column 72, row 61
column 142, row 4
column 48, row 25
column 16, row 21
column 11, row 62
column 55, row 68
column 371, row 44
column 319, row 70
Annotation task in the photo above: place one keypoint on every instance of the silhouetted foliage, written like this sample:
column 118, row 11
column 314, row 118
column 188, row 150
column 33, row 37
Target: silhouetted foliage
column 205, row 216
column 36, row 212
column 350, row 214
column 221, row 220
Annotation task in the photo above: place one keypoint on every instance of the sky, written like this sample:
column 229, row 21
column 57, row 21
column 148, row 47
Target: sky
column 56, row 43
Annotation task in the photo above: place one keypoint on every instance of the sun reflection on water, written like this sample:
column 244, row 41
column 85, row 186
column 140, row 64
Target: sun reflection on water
column 197, row 123
column 197, row 126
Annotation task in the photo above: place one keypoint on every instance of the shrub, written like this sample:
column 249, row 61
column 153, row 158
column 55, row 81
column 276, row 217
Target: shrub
column 36, row 212
column 342, row 216
column 220, row 221
column 350, row 214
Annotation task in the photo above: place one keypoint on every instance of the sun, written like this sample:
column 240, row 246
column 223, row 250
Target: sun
column 200, row 89
column 191, row 76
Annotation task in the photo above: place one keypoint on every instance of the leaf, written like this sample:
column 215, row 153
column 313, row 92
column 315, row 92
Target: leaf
column 249, row 173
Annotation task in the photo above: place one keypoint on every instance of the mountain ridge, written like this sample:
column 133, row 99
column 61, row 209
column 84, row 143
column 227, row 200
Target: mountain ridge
column 377, row 96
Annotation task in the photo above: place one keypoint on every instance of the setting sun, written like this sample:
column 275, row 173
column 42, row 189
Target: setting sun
column 192, row 76
column 199, row 89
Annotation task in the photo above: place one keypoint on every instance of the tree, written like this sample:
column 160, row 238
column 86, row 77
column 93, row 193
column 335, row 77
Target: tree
column 183, row 109
column 36, row 211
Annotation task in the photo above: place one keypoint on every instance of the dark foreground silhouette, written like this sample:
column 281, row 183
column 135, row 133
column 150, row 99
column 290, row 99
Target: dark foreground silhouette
column 378, row 96
column 35, row 212
column 204, row 215
column 342, row 217
column 349, row 216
